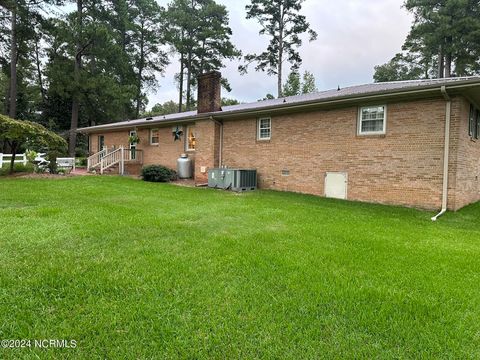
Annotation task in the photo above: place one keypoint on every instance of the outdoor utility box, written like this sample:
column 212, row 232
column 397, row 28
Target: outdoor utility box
column 233, row 179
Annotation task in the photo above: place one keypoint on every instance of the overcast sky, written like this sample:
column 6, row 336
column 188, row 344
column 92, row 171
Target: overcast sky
column 353, row 37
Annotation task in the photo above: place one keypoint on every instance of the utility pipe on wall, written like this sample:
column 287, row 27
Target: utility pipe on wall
column 220, row 147
column 446, row 155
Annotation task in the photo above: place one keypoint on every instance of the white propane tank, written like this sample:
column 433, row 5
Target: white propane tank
column 184, row 167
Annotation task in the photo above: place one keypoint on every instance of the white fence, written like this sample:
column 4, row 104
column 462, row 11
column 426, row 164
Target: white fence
column 7, row 158
column 22, row 159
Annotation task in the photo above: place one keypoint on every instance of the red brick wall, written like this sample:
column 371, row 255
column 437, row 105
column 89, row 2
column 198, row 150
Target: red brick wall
column 403, row 167
column 207, row 152
column 467, row 159
column 209, row 92
column 166, row 153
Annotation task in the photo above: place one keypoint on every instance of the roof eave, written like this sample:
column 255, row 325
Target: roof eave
column 431, row 90
column 373, row 96
column 149, row 123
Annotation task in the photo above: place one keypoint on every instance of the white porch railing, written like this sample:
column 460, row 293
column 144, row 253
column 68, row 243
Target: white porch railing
column 113, row 158
column 106, row 158
column 95, row 159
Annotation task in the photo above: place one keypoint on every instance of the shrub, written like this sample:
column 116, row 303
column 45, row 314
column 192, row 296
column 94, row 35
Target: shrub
column 81, row 161
column 158, row 173
column 17, row 168
column 52, row 157
column 31, row 155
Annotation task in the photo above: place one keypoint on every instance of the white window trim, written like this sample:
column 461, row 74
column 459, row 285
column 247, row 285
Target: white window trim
column 187, row 128
column 259, row 120
column 366, row 133
column 151, row 137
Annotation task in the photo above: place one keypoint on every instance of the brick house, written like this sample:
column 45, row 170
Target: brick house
column 382, row 143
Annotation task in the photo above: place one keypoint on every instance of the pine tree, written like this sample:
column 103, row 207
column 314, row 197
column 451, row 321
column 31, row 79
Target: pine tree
column 199, row 32
column 295, row 86
column 292, row 86
column 282, row 22
column 443, row 41
column 148, row 57
column 308, row 85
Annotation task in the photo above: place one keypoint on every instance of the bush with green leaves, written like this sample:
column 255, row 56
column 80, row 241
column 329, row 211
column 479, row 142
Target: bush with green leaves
column 82, row 161
column 158, row 173
column 18, row 134
column 52, row 158
column 17, row 168
column 31, row 155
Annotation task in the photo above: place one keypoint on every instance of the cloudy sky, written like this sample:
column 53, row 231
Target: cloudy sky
column 353, row 37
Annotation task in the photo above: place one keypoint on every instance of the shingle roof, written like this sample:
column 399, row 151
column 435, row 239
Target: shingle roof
column 316, row 97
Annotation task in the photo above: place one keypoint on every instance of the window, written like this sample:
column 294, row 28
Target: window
column 191, row 140
column 478, row 124
column 154, row 138
column 264, row 129
column 472, row 121
column 133, row 145
column 101, row 142
column 372, row 120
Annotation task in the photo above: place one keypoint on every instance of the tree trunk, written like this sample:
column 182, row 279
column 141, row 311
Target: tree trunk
column 13, row 149
column 5, row 104
column 448, row 65
column 189, row 79
column 75, row 101
column 140, row 73
column 39, row 70
column 441, row 63
column 280, row 54
column 13, row 65
column 180, row 96
column 448, row 58
column 280, row 74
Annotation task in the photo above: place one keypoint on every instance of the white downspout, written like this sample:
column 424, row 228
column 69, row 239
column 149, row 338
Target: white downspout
column 220, row 147
column 220, row 150
column 446, row 156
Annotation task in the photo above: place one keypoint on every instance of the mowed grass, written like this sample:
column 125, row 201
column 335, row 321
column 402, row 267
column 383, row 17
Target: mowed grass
column 134, row 270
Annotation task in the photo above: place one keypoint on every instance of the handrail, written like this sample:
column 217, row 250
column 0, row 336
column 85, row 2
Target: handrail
column 105, row 159
column 111, row 159
column 95, row 159
column 137, row 157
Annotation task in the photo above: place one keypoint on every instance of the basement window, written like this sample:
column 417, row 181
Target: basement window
column 191, row 139
column 372, row 120
column 154, row 138
column 264, row 129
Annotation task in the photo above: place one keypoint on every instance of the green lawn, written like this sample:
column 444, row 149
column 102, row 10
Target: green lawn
column 139, row 270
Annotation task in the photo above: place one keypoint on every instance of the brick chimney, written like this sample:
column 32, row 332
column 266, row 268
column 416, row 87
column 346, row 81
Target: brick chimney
column 209, row 92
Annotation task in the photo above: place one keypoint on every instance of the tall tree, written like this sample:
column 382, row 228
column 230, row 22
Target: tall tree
column 443, row 41
column 401, row 67
column 295, row 86
column 96, row 90
column 149, row 59
column 13, row 62
column 308, row 85
column 199, row 32
column 80, row 48
column 292, row 86
column 282, row 22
